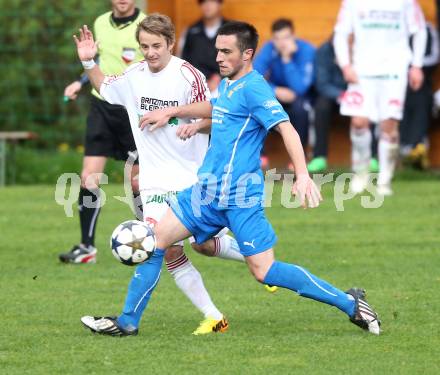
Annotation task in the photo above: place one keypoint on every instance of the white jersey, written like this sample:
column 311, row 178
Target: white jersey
column 381, row 30
column 165, row 161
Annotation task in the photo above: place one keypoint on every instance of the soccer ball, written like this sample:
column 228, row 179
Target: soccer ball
column 133, row 242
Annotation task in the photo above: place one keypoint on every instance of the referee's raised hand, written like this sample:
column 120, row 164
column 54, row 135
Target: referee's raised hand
column 86, row 46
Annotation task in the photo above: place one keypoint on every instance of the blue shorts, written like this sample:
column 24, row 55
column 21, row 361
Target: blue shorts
column 250, row 226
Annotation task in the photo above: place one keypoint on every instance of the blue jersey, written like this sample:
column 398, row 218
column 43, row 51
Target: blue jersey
column 243, row 113
column 297, row 74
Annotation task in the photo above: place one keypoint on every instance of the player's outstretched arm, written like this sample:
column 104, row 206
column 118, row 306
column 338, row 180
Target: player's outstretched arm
column 160, row 117
column 87, row 49
column 304, row 186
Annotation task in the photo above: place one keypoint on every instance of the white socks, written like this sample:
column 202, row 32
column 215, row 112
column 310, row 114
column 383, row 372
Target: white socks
column 360, row 149
column 226, row 247
column 189, row 280
column 387, row 152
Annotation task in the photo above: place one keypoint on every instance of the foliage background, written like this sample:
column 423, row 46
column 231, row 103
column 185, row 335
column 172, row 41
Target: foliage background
column 38, row 61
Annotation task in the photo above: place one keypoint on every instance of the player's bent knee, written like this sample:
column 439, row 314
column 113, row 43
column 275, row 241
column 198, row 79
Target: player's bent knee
column 359, row 123
column 89, row 180
column 135, row 178
column 389, row 130
column 160, row 244
column 135, row 184
column 163, row 240
column 259, row 272
column 259, row 275
column 260, row 264
column 172, row 253
column 204, row 249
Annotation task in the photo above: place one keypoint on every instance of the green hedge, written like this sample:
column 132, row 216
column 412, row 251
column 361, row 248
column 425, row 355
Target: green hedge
column 38, row 61
column 44, row 167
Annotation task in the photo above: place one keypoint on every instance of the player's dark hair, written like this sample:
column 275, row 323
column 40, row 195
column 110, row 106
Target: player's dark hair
column 282, row 23
column 247, row 35
column 157, row 24
column 202, row 1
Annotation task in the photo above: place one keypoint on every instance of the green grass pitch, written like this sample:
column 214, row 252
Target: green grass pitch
column 393, row 252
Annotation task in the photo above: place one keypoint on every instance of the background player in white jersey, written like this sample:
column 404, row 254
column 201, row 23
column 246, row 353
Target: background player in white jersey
column 167, row 164
column 377, row 73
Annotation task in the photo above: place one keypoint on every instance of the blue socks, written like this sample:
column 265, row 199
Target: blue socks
column 146, row 276
column 307, row 285
column 281, row 274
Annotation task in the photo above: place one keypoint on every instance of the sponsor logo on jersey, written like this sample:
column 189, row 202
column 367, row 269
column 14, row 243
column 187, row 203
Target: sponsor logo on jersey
column 384, row 77
column 381, row 19
column 353, row 99
column 221, row 109
column 395, row 103
column 173, row 121
column 159, row 198
column 380, row 26
column 194, row 91
column 150, row 104
column 270, row 103
column 384, row 15
column 128, row 55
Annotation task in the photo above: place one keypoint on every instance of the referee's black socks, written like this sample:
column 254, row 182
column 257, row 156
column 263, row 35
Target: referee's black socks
column 137, row 204
column 89, row 206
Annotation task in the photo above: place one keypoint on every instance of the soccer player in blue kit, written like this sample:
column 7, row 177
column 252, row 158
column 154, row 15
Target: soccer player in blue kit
column 229, row 192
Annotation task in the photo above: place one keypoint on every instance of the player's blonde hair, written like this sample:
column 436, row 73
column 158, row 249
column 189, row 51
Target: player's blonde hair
column 158, row 24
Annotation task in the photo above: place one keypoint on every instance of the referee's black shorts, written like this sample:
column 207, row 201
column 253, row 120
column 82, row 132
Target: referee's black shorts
column 108, row 131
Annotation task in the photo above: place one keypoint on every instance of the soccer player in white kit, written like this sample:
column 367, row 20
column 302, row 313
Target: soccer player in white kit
column 378, row 69
column 167, row 163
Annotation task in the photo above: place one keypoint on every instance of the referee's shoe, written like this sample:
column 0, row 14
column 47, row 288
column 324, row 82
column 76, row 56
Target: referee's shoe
column 79, row 254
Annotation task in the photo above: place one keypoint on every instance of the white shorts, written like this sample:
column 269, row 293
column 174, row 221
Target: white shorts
column 155, row 204
column 377, row 98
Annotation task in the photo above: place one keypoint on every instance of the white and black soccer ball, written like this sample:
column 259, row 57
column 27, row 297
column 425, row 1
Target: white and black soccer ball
column 133, row 242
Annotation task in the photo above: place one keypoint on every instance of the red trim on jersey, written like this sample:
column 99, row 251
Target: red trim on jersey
column 187, row 66
column 199, row 81
column 108, row 80
column 114, row 77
